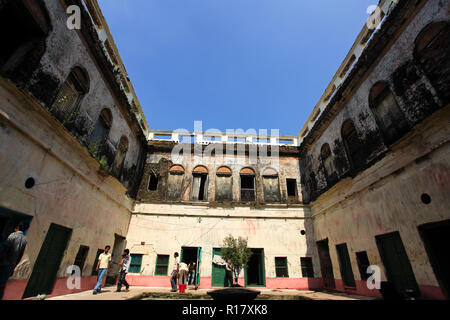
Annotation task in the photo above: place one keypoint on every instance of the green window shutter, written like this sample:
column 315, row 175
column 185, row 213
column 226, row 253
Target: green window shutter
column 307, row 267
column 162, row 265
column 281, row 268
column 136, row 262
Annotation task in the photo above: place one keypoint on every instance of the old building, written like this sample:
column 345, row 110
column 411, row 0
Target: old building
column 375, row 157
column 366, row 182
column 73, row 140
column 222, row 184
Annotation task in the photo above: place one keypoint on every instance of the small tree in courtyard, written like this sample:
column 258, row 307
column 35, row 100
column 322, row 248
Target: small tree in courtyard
column 237, row 252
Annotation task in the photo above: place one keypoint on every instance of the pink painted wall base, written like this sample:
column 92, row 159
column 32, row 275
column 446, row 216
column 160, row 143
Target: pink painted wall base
column 14, row 289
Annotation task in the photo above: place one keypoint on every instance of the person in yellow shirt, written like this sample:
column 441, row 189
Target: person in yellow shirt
column 103, row 264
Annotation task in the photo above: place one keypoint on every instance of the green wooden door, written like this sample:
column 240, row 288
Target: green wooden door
column 396, row 262
column 345, row 265
column 199, row 263
column 48, row 262
column 217, row 272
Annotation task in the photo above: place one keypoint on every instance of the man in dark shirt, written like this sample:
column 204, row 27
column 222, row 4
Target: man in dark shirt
column 11, row 253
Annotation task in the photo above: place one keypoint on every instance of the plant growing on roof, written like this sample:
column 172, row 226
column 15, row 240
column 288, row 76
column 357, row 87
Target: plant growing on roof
column 236, row 251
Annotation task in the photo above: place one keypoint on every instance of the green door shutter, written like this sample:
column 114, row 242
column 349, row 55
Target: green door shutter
column 396, row 262
column 199, row 263
column 48, row 261
column 218, row 272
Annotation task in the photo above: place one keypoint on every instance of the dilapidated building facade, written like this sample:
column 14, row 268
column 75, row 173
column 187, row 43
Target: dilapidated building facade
column 73, row 143
column 366, row 182
column 375, row 158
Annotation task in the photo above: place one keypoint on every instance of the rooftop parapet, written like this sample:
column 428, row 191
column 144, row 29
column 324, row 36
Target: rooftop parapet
column 373, row 23
column 206, row 138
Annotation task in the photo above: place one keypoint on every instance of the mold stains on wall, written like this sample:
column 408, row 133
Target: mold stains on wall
column 340, row 159
column 271, row 187
column 224, row 185
column 175, row 184
column 413, row 88
column 433, row 53
column 389, row 117
column 44, row 86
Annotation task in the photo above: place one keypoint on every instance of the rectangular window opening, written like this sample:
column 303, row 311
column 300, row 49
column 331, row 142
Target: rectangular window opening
column 307, row 267
column 162, row 265
column 80, row 259
column 136, row 262
column 281, row 267
column 247, row 188
column 363, row 264
column 291, row 187
column 153, row 183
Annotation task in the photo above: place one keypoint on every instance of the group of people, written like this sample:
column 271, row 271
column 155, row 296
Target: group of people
column 183, row 273
column 104, row 264
column 11, row 252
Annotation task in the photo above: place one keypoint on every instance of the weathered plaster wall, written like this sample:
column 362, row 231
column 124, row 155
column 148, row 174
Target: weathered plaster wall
column 68, row 191
column 414, row 93
column 63, row 50
column 385, row 194
column 160, row 161
column 387, row 198
column 166, row 228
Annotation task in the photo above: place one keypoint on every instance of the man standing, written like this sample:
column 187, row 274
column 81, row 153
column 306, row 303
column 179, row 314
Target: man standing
column 103, row 264
column 176, row 268
column 184, row 269
column 228, row 274
column 124, row 266
column 11, row 253
column 192, row 270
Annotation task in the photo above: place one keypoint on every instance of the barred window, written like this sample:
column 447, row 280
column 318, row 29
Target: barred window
column 70, row 94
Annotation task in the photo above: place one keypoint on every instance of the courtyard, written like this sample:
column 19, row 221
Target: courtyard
column 150, row 293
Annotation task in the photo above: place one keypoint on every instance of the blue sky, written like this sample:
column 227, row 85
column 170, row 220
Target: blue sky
column 260, row 64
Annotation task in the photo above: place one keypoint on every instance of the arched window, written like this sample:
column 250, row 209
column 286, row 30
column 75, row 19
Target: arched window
column 327, row 160
column 175, row 182
column 433, row 52
column 224, row 184
column 271, row 186
column 388, row 115
column 199, row 184
column 120, row 155
column 70, row 94
column 176, row 170
column 102, row 127
column 352, row 144
column 247, row 184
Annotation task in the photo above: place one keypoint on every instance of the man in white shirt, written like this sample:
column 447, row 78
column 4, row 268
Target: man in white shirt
column 124, row 267
column 184, row 269
column 176, row 268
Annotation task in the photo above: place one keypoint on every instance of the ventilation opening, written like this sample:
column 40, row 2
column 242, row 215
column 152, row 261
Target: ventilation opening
column 153, row 184
column 30, row 183
column 426, row 199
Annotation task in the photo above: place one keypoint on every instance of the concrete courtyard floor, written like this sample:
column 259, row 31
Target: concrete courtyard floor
column 145, row 293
